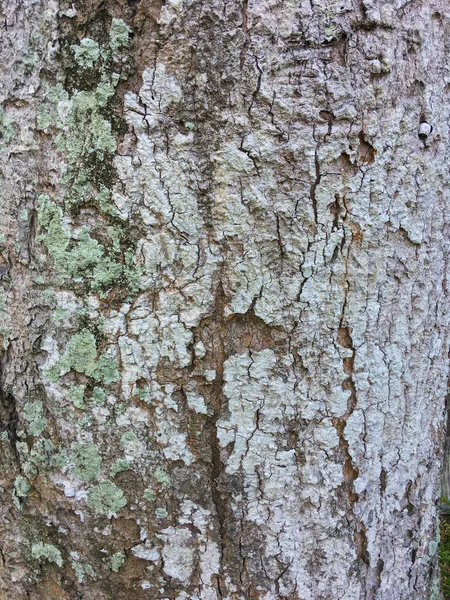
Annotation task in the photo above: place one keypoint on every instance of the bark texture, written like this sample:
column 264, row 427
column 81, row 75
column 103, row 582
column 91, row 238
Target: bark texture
column 224, row 309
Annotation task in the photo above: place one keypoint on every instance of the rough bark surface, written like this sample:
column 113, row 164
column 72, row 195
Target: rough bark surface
column 224, row 305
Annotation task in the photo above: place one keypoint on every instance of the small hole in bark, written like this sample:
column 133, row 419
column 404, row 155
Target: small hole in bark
column 326, row 115
column 366, row 152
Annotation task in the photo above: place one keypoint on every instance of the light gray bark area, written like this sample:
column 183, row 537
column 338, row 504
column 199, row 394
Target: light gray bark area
column 231, row 383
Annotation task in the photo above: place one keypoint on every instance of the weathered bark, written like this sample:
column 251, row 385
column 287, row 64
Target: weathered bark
column 224, row 298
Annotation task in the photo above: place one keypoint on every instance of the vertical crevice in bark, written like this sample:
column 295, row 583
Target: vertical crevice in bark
column 315, row 183
column 244, row 27
column 350, row 470
column 9, row 417
column 216, row 403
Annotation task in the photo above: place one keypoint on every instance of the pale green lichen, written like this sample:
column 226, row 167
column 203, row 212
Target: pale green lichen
column 162, row 477
column 86, row 260
column 98, row 395
column 47, row 113
column 5, row 335
column 60, row 314
column 143, row 393
column 87, row 254
column 119, row 34
column 120, row 465
column 161, row 513
column 89, row 133
column 33, row 53
column 44, row 118
column 44, row 455
column 119, row 409
column 86, row 422
column 103, row 199
column 21, row 487
column 57, row 238
column 29, row 469
column 86, row 138
column 76, row 394
column 60, row 459
column 127, row 438
column 149, row 494
column 56, row 93
column 81, row 356
column 22, row 449
column 85, row 133
column 33, row 412
column 48, row 552
column 82, row 570
column 6, row 129
column 106, row 498
column 53, row 373
column 87, row 53
column 87, row 460
column 107, row 370
column 116, row 561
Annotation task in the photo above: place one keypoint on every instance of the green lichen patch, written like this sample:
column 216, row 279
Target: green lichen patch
column 47, row 112
column 21, row 489
column 48, row 552
column 76, row 394
column 119, row 35
column 7, row 132
column 116, row 561
column 44, row 455
column 33, row 412
column 127, row 438
column 98, row 395
column 81, row 570
column 87, row 141
column 106, row 498
column 88, row 123
column 162, row 477
column 88, row 462
column 86, row 422
column 119, row 465
column 82, row 259
column 29, row 469
column 107, row 370
column 86, row 53
column 161, row 513
column 57, row 237
column 60, row 314
column 149, row 494
column 44, row 118
column 143, row 393
column 86, row 133
column 81, row 356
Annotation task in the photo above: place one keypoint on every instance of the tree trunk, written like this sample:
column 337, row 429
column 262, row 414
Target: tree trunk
column 224, row 310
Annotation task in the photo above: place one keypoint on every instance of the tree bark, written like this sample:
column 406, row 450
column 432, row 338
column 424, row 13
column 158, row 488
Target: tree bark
column 224, row 307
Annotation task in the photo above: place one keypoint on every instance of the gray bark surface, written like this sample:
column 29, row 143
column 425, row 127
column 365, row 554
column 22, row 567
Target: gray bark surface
column 224, row 298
